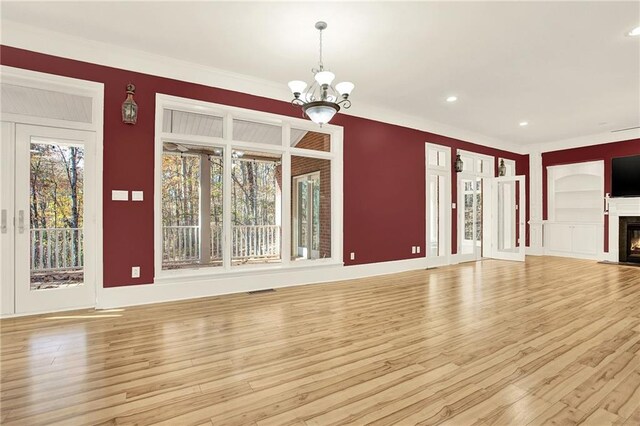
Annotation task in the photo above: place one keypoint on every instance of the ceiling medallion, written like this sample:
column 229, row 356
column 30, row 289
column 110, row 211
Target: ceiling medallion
column 322, row 101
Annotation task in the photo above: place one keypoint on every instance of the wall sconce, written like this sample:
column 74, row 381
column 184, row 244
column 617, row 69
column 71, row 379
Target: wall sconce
column 459, row 165
column 129, row 106
column 502, row 169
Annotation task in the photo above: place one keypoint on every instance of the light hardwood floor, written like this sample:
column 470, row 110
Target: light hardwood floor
column 551, row 341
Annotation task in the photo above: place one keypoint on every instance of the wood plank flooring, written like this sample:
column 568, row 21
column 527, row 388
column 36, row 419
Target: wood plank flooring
column 550, row 341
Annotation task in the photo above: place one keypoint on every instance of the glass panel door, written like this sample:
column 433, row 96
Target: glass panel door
column 306, row 217
column 53, row 199
column 470, row 217
column 436, row 235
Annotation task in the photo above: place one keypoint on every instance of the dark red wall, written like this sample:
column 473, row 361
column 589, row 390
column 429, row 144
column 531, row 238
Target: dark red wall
column 589, row 153
column 384, row 168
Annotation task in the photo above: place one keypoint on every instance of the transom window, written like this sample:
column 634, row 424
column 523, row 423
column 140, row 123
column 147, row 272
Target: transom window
column 240, row 188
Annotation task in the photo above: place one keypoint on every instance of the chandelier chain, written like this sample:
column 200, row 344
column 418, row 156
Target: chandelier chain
column 320, row 64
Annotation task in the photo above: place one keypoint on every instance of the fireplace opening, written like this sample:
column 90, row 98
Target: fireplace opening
column 633, row 241
column 630, row 239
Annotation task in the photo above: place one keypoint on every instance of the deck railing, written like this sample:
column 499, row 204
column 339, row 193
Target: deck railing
column 181, row 244
column 56, row 249
column 62, row 248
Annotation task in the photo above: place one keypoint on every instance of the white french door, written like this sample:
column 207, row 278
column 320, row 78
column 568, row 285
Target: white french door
column 48, row 232
column 470, row 217
column 306, row 216
column 508, row 218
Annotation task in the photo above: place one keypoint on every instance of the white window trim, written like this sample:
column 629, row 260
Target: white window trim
column 229, row 113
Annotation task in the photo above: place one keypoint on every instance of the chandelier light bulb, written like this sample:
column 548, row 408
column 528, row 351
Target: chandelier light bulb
column 345, row 88
column 325, row 77
column 297, row 86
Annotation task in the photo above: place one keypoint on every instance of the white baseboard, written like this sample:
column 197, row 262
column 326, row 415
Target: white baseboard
column 597, row 257
column 534, row 251
column 116, row 297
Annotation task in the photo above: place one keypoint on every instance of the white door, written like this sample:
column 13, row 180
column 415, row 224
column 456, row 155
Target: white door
column 470, row 214
column 508, row 218
column 53, row 205
column 307, row 216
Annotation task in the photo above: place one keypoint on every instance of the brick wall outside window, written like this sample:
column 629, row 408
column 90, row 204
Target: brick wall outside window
column 304, row 165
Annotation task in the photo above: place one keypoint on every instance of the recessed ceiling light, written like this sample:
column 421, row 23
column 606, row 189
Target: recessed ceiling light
column 524, row 123
column 634, row 32
column 452, row 98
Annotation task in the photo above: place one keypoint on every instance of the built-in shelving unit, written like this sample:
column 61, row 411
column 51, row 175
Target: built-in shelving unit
column 575, row 210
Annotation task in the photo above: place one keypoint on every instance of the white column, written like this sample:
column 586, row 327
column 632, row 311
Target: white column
column 535, row 199
column 285, row 199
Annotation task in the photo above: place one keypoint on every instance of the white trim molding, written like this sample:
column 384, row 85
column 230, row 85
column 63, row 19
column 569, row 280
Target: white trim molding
column 54, row 43
column 170, row 291
column 587, row 140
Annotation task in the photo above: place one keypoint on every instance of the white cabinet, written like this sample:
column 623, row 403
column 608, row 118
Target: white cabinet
column 584, row 241
column 575, row 225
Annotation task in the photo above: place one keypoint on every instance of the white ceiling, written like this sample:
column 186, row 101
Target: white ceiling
column 566, row 68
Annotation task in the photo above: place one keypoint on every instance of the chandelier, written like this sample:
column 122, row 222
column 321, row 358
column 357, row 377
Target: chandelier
column 322, row 100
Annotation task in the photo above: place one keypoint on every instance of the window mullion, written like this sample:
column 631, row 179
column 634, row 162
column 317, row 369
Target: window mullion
column 286, row 231
column 227, row 228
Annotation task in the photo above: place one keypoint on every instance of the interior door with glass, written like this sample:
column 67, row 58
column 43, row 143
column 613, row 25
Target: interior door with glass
column 306, row 216
column 55, row 219
column 470, row 210
column 508, row 227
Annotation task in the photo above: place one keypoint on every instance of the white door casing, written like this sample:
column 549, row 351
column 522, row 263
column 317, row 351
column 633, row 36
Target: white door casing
column 508, row 207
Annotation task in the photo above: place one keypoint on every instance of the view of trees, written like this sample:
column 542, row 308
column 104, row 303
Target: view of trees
column 253, row 198
column 253, row 204
column 56, row 214
column 57, row 174
column 254, row 192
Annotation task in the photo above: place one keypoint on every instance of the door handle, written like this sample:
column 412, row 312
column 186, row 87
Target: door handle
column 3, row 221
column 21, row 221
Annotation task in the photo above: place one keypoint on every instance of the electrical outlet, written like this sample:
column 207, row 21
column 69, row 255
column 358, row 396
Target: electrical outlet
column 353, row 256
column 453, row 205
column 417, row 249
column 135, row 272
column 413, row 249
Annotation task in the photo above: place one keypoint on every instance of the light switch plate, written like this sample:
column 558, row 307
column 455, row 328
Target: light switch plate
column 137, row 195
column 453, row 205
column 119, row 195
column 353, row 255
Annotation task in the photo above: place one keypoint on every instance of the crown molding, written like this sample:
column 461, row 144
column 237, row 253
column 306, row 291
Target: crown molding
column 582, row 141
column 54, row 43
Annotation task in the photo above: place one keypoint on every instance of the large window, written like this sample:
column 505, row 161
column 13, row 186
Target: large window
column 242, row 189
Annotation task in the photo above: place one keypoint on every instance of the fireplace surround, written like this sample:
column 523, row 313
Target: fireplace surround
column 629, row 239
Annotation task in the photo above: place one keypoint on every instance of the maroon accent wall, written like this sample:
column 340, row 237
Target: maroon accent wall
column 384, row 168
column 589, row 153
